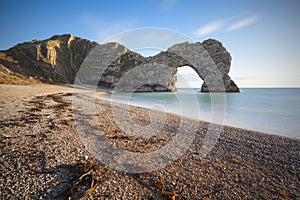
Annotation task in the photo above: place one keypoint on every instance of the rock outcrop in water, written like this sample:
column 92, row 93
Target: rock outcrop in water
column 58, row 59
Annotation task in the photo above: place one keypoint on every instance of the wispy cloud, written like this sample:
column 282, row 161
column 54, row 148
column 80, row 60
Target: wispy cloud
column 209, row 28
column 243, row 23
column 167, row 4
column 216, row 26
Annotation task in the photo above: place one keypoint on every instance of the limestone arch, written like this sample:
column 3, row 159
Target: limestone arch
column 211, row 62
column 209, row 59
column 205, row 69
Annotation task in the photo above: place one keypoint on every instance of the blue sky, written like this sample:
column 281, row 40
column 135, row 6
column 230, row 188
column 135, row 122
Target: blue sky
column 262, row 36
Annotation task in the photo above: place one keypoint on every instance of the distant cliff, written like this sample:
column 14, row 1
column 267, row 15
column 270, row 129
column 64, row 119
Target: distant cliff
column 57, row 60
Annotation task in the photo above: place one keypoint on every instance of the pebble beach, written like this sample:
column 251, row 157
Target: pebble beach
column 43, row 157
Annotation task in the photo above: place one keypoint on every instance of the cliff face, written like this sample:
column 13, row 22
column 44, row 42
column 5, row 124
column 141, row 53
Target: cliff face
column 55, row 60
column 58, row 59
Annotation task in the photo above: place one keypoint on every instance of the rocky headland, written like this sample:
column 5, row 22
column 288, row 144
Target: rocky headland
column 58, row 59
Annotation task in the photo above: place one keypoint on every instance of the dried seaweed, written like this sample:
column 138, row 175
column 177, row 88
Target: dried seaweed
column 91, row 175
column 154, row 182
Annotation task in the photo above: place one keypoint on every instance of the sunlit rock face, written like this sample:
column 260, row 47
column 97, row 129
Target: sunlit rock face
column 59, row 58
column 54, row 60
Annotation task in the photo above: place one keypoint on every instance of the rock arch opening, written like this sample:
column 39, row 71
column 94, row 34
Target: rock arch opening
column 187, row 77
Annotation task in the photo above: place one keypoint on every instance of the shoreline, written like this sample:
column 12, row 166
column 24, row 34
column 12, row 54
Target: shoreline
column 42, row 155
column 256, row 128
column 202, row 120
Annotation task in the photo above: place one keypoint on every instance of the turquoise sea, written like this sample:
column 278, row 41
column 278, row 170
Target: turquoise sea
column 269, row 110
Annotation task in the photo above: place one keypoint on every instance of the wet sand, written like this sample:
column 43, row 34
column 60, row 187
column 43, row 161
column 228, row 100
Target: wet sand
column 43, row 157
